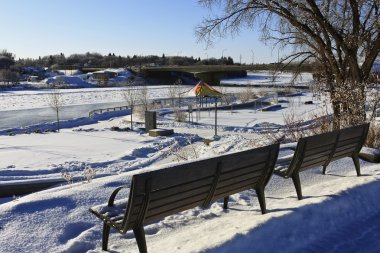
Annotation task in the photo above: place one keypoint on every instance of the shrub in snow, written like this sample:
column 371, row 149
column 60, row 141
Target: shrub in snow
column 89, row 174
column 247, row 94
column 67, row 176
column 118, row 129
column 37, row 131
column 373, row 137
column 179, row 116
column 185, row 153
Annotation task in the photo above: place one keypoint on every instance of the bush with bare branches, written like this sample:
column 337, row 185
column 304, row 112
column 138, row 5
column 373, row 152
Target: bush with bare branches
column 373, row 137
column 131, row 95
column 247, row 94
column 179, row 116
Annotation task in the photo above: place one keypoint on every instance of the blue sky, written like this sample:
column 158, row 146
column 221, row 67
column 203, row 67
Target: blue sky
column 32, row 28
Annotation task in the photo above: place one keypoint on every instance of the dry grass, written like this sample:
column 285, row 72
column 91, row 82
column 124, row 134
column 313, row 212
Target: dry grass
column 373, row 138
column 180, row 116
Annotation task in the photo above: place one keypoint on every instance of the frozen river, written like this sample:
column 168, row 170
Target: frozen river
column 27, row 117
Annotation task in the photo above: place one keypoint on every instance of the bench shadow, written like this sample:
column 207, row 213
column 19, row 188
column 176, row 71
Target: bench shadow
column 241, row 210
column 272, row 197
column 336, row 175
column 317, row 222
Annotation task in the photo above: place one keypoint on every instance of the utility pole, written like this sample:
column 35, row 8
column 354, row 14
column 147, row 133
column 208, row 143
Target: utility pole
column 223, row 52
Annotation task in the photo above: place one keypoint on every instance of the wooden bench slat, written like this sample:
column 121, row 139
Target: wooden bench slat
column 174, row 190
column 174, row 204
column 159, row 213
column 232, row 189
column 176, row 197
column 180, row 174
column 321, row 140
column 240, row 172
column 349, row 148
column 345, row 141
column 325, row 154
column 326, row 148
column 240, row 179
column 315, row 162
column 243, row 160
column 345, row 153
column 229, row 191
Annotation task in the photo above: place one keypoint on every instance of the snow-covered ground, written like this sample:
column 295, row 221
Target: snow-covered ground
column 264, row 78
column 340, row 211
column 253, row 118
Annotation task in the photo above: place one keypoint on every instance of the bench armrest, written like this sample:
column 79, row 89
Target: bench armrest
column 111, row 200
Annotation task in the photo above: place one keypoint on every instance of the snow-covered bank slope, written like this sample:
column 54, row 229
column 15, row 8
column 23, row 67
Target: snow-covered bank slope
column 58, row 220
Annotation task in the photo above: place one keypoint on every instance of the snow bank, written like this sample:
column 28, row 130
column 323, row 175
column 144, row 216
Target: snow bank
column 69, row 82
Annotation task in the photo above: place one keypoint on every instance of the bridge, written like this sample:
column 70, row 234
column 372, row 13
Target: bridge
column 208, row 73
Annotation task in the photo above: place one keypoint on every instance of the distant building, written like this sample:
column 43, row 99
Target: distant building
column 104, row 75
column 32, row 78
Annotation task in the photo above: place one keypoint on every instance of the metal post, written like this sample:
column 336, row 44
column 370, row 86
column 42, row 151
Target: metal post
column 216, row 116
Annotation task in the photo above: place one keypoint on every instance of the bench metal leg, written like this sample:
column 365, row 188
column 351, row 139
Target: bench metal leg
column 225, row 204
column 106, row 234
column 324, row 169
column 261, row 196
column 140, row 238
column 297, row 184
column 355, row 158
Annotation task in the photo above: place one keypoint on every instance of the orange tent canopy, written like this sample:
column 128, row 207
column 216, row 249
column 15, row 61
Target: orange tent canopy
column 204, row 90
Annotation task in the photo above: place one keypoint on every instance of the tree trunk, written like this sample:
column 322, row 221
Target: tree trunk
column 131, row 117
column 57, row 120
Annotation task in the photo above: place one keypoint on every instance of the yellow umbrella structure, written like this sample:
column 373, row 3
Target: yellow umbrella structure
column 202, row 89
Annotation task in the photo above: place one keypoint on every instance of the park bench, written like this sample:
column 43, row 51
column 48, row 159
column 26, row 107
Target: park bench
column 320, row 150
column 157, row 194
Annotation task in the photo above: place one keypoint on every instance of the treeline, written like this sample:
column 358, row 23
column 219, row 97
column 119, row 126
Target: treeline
column 9, row 71
column 117, row 61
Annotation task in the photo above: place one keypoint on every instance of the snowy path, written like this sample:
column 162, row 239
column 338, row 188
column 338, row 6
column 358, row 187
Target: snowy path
column 361, row 234
column 346, row 222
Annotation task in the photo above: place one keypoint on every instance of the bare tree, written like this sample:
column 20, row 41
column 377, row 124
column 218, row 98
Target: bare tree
column 56, row 102
column 7, row 59
column 175, row 91
column 8, row 77
column 131, row 96
column 342, row 37
column 143, row 97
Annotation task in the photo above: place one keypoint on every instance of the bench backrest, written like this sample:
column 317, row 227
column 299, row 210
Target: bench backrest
column 321, row 149
column 312, row 151
column 167, row 191
column 350, row 141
